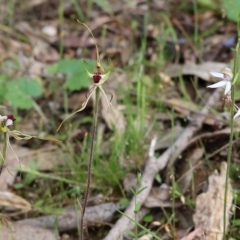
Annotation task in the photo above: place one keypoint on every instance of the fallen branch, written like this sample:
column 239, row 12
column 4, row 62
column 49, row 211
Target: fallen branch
column 154, row 165
column 69, row 220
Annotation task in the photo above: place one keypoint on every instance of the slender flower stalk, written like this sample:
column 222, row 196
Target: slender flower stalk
column 98, row 77
column 5, row 124
column 228, row 79
column 235, row 74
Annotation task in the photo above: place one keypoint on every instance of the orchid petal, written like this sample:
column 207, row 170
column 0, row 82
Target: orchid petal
column 104, row 78
column 104, row 94
column 218, row 84
column 237, row 114
column 218, row 75
column 90, row 75
column 228, row 87
column 79, row 110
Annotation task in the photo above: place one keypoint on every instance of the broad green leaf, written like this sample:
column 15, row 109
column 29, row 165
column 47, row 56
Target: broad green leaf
column 19, row 93
column 77, row 81
column 148, row 218
column 232, row 8
column 66, row 66
column 75, row 70
column 31, row 87
column 17, row 98
column 236, row 222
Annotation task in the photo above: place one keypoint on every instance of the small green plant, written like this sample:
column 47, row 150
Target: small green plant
column 99, row 77
column 135, row 234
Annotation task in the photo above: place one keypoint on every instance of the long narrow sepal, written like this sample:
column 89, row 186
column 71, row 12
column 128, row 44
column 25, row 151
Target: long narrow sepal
column 79, row 110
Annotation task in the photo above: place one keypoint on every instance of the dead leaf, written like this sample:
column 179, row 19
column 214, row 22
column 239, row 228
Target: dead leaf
column 12, row 202
column 210, row 206
column 113, row 117
column 202, row 70
column 45, row 158
column 146, row 237
column 159, row 197
column 20, row 232
column 192, row 234
column 187, row 169
column 199, row 70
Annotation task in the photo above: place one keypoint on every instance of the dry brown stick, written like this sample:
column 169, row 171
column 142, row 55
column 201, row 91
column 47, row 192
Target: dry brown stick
column 154, row 165
column 69, row 220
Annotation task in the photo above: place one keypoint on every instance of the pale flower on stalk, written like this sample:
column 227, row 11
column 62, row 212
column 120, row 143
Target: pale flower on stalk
column 226, row 75
column 238, row 112
column 5, row 123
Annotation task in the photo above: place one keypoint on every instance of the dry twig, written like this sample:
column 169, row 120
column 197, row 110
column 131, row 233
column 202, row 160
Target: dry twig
column 154, row 165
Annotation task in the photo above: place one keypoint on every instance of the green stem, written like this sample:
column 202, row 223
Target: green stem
column 4, row 152
column 235, row 72
column 89, row 171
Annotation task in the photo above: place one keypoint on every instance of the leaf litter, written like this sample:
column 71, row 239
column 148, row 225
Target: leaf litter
column 35, row 42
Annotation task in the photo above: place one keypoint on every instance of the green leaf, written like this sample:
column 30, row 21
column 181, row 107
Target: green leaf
column 104, row 4
column 124, row 202
column 148, row 218
column 76, row 73
column 139, row 191
column 232, row 9
column 19, row 93
column 137, row 207
column 3, row 89
column 77, row 81
column 236, row 222
column 130, row 233
column 208, row 3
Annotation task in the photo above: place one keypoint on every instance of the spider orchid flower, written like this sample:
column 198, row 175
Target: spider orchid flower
column 99, row 77
column 5, row 123
column 226, row 75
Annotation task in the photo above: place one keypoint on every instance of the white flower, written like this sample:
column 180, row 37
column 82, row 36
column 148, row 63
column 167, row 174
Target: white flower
column 226, row 76
column 237, row 114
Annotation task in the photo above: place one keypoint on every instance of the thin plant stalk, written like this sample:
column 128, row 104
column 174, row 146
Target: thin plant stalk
column 235, row 74
column 4, row 152
column 89, row 170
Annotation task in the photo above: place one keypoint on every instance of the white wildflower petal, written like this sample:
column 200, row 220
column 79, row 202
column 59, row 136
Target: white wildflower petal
column 228, row 87
column 3, row 118
column 218, row 84
column 237, row 114
column 218, row 75
column 9, row 122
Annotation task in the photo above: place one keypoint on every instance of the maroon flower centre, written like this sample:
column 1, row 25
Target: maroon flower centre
column 11, row 117
column 96, row 77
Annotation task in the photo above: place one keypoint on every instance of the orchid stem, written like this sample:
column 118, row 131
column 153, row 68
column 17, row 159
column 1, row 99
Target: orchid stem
column 4, row 152
column 89, row 170
column 235, row 72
